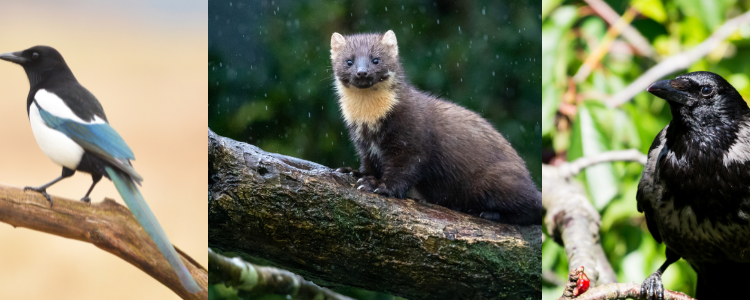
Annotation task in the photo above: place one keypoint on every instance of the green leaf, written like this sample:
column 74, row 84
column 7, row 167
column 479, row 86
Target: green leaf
column 651, row 8
column 600, row 178
column 550, row 102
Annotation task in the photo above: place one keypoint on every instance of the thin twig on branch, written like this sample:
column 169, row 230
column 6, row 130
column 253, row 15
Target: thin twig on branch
column 107, row 225
column 570, row 169
column 679, row 61
column 603, row 48
column 256, row 280
column 311, row 220
column 632, row 35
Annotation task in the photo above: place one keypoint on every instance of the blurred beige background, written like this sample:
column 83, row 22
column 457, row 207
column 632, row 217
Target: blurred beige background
column 146, row 63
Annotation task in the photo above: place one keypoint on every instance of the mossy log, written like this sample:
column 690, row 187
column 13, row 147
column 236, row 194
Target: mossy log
column 311, row 220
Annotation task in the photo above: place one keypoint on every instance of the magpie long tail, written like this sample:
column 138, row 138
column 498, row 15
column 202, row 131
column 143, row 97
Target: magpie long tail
column 133, row 198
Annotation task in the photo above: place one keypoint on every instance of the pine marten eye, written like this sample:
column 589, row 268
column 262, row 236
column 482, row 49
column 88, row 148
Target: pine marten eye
column 375, row 61
column 349, row 63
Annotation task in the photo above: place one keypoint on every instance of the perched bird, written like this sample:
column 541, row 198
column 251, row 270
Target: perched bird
column 71, row 128
column 695, row 187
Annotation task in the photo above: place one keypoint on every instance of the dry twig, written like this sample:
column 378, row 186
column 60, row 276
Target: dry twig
column 573, row 168
column 679, row 61
column 632, row 35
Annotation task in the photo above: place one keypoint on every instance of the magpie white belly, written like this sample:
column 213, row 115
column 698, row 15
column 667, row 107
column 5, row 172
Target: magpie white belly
column 56, row 145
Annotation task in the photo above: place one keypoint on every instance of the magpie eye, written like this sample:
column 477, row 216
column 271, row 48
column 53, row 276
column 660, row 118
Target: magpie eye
column 349, row 63
column 35, row 55
column 706, row 90
column 375, row 61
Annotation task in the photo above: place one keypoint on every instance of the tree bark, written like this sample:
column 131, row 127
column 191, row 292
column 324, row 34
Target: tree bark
column 107, row 225
column 310, row 220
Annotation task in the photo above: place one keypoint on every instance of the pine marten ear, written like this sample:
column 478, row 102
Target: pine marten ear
column 337, row 42
column 389, row 41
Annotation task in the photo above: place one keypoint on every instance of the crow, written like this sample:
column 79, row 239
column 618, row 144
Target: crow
column 695, row 187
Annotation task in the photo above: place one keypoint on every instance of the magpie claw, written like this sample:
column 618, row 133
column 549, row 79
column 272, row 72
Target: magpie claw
column 86, row 199
column 40, row 190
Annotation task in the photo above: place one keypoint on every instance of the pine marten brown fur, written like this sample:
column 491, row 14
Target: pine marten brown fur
column 408, row 139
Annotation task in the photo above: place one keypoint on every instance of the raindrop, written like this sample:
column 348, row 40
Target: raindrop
column 438, row 21
column 456, row 65
column 459, row 29
column 386, row 8
column 462, row 79
column 447, row 47
column 230, row 3
column 493, row 73
column 321, row 107
column 412, row 26
column 220, row 64
column 266, row 107
column 440, row 66
column 483, row 11
column 308, row 114
column 265, row 95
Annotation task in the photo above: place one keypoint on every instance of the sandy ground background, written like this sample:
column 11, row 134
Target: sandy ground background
column 146, row 63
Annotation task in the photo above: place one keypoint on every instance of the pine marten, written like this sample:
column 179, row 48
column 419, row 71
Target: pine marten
column 408, row 139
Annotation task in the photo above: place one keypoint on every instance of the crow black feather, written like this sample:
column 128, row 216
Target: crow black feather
column 695, row 187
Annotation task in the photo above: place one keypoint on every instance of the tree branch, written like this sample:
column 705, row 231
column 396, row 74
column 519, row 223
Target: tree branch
column 574, row 223
column 680, row 61
column 107, row 225
column 570, row 169
column 256, row 280
column 312, row 221
column 622, row 291
column 632, row 35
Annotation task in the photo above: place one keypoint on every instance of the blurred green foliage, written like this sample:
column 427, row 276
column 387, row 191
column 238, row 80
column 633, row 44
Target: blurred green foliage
column 575, row 122
column 270, row 80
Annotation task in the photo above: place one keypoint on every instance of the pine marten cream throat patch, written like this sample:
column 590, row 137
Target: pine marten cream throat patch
column 366, row 106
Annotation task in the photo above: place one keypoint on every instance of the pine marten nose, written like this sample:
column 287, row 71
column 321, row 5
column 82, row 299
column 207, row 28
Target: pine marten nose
column 361, row 73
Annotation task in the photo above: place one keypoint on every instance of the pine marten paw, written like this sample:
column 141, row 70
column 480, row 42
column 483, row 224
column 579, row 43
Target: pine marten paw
column 349, row 170
column 368, row 184
column 383, row 190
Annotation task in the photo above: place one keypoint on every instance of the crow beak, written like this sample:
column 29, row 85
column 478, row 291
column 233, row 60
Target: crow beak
column 663, row 89
column 14, row 57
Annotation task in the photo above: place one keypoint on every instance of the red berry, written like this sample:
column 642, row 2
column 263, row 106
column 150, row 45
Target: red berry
column 582, row 285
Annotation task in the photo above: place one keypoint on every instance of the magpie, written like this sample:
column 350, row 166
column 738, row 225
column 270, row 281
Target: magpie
column 695, row 187
column 71, row 128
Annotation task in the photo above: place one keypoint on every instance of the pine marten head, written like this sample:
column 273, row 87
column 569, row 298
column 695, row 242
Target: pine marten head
column 366, row 70
column 364, row 60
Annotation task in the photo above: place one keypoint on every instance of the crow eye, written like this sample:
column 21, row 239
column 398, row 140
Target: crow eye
column 34, row 55
column 706, row 90
column 349, row 63
column 375, row 61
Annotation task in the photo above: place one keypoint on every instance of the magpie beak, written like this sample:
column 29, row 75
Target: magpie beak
column 14, row 57
column 663, row 89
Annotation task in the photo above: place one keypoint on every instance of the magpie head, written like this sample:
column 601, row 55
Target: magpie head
column 700, row 99
column 39, row 62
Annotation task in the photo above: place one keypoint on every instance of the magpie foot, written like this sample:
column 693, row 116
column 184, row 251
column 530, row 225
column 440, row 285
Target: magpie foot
column 652, row 288
column 43, row 191
column 86, row 199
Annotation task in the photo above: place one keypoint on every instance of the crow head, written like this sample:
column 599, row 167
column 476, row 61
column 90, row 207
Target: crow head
column 701, row 99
